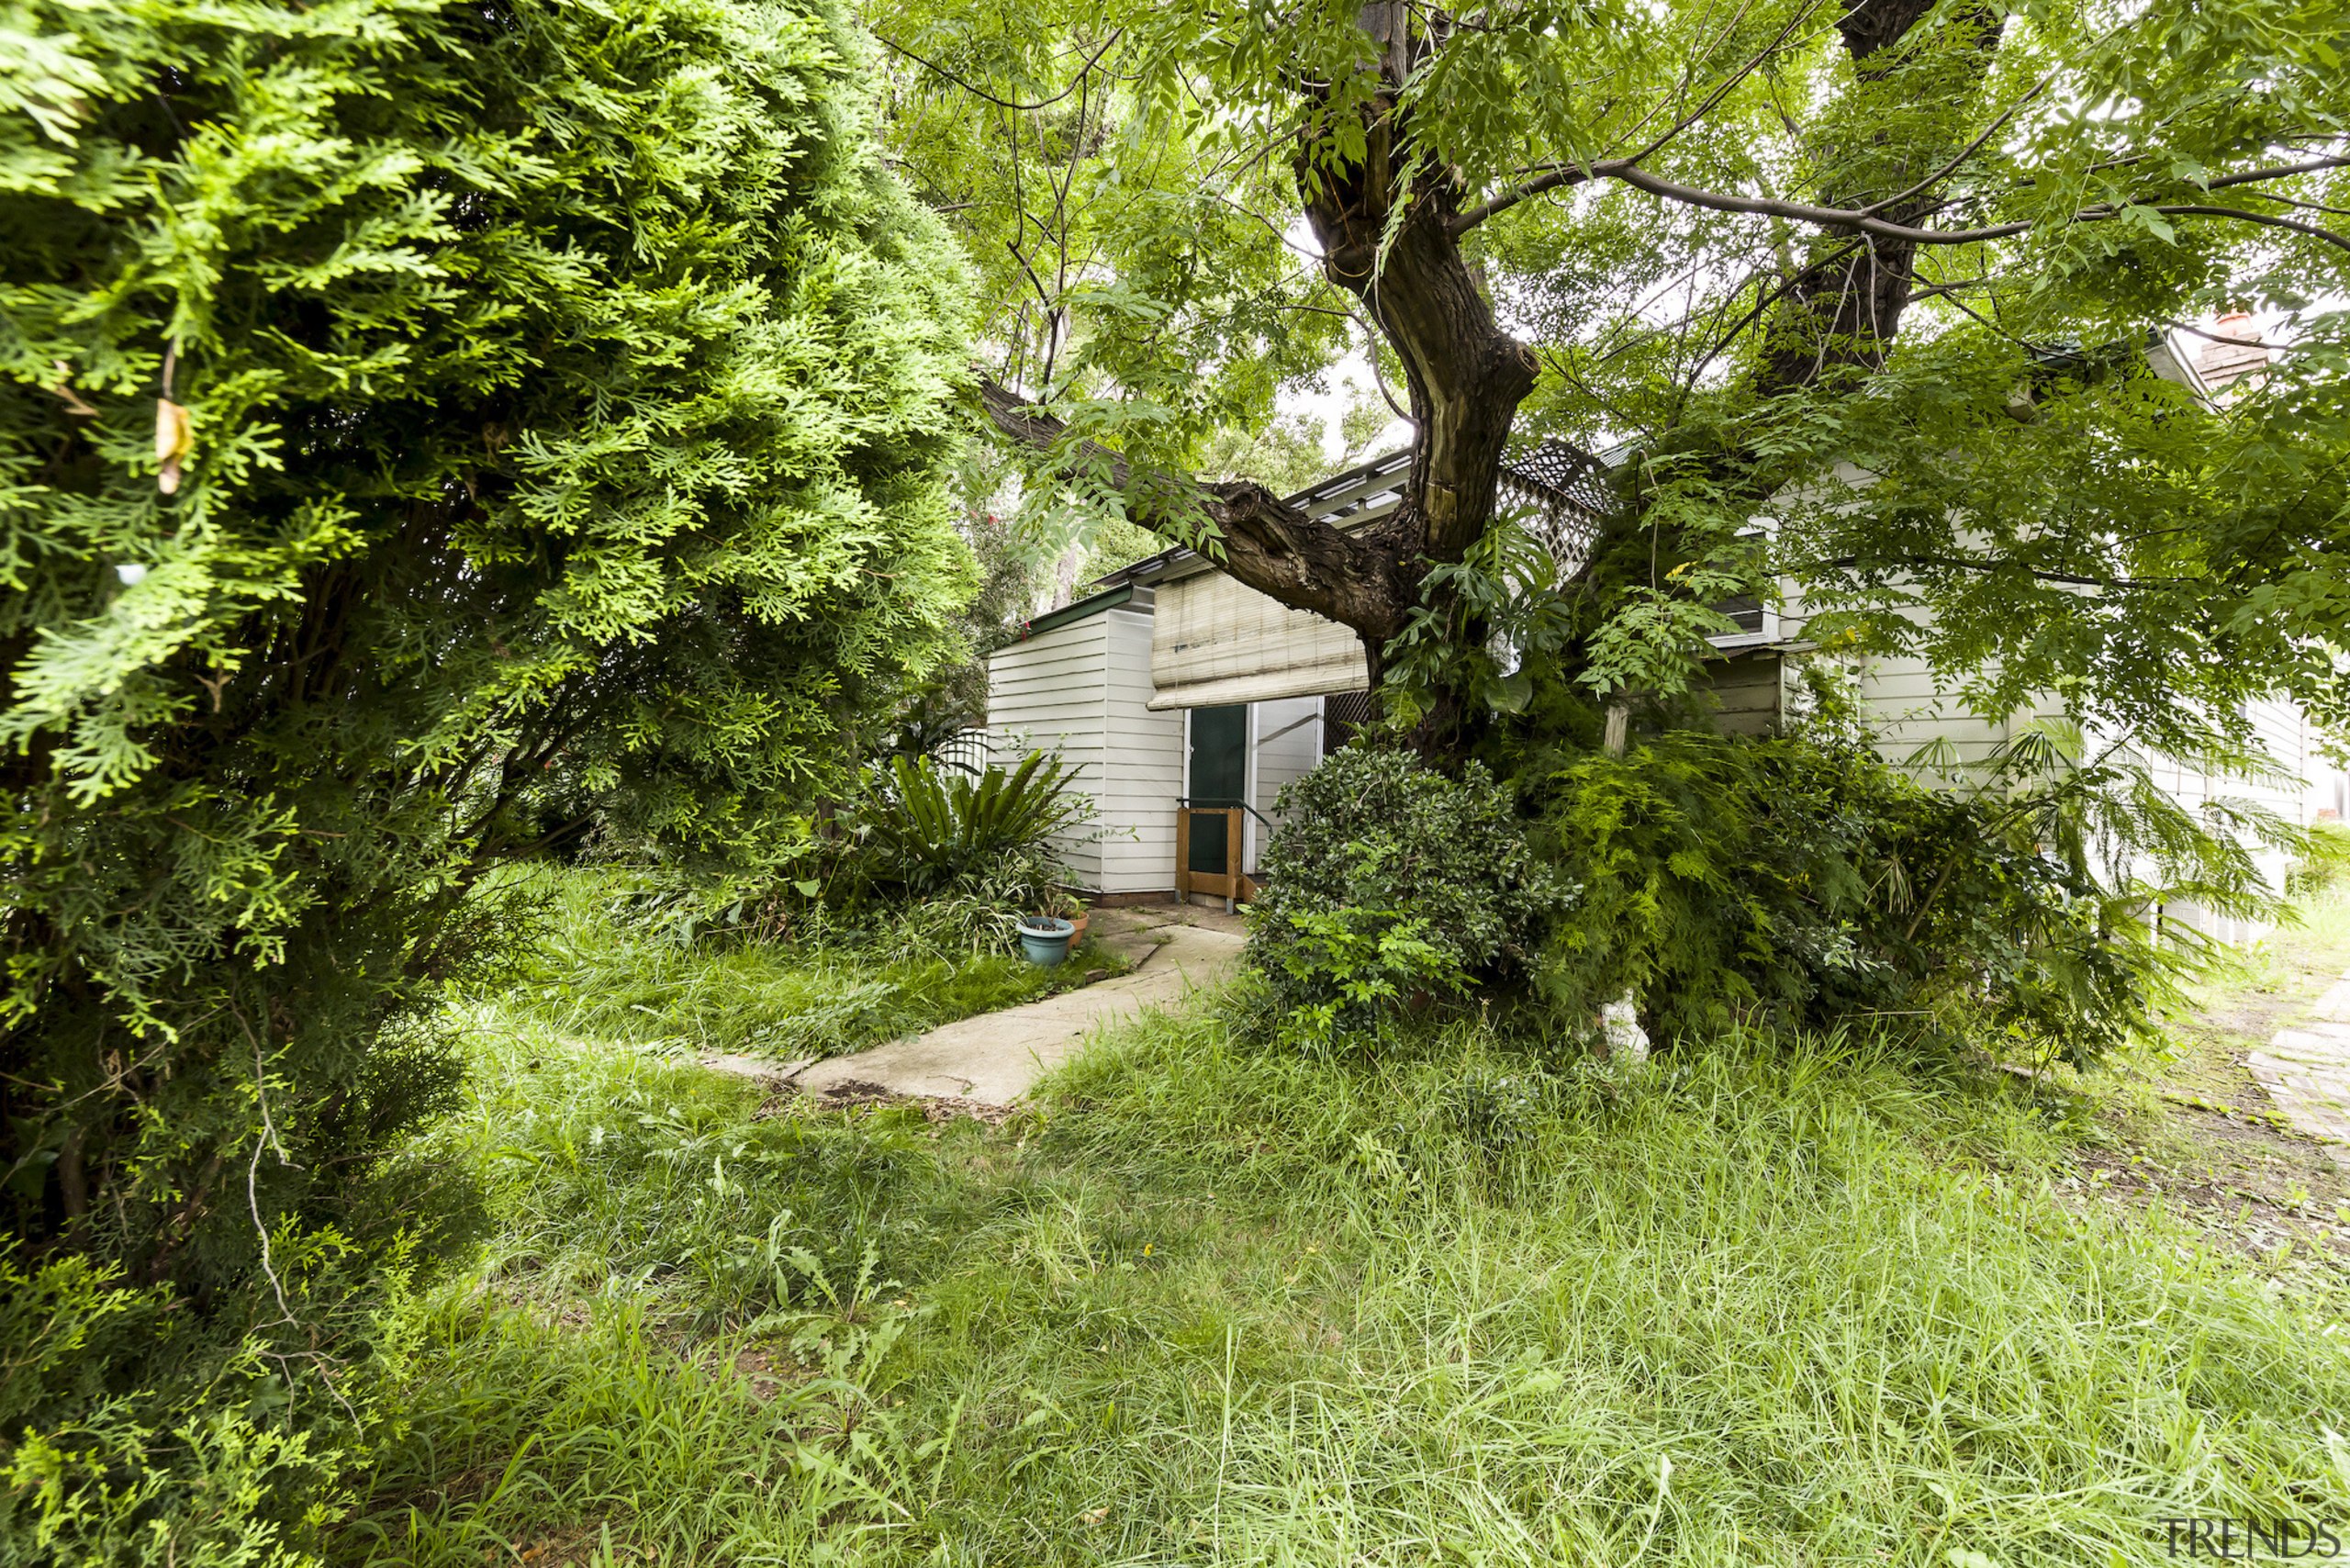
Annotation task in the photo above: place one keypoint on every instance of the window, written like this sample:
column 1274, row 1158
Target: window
column 1757, row 623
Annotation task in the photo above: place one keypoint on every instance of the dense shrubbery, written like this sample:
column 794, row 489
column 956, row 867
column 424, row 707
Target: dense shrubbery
column 1389, row 883
column 553, row 415
column 1806, row 883
column 133, row 1433
column 1790, row 882
column 1802, row 880
column 921, row 856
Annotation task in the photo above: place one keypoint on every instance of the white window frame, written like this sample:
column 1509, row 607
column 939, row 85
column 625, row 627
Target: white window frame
column 1739, row 641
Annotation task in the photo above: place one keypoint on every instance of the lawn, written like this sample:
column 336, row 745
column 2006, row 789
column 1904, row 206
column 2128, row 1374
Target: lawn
column 1768, row 1302
column 602, row 976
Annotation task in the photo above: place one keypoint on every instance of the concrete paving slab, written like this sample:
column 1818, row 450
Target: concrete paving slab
column 996, row 1058
column 2324, row 1044
column 2334, row 1005
column 2306, row 1071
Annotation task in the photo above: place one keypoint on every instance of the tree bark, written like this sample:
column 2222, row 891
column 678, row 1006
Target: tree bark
column 1842, row 310
column 1464, row 378
column 1353, row 578
column 1845, row 307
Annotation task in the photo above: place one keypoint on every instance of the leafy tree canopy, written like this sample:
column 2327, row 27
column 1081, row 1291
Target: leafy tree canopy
column 1885, row 272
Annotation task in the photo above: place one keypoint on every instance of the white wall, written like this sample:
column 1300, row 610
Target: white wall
column 1908, row 709
column 1047, row 693
column 2310, row 787
column 1142, row 769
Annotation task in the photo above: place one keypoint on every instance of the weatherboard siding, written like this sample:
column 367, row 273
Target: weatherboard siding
column 1047, row 693
column 1910, row 710
column 1143, row 766
column 1746, row 693
column 1287, row 741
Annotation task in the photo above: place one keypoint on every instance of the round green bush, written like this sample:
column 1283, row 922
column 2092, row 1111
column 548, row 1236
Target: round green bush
column 1390, row 883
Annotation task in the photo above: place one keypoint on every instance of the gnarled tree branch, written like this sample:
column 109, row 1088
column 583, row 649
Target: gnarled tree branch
column 1863, row 220
column 1357, row 579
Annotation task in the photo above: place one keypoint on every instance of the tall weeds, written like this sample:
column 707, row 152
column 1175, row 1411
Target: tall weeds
column 1779, row 1301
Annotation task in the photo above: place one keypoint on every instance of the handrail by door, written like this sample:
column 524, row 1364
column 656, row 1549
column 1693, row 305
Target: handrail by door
column 1231, row 881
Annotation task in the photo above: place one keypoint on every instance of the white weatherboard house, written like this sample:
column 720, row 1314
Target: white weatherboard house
column 1186, row 700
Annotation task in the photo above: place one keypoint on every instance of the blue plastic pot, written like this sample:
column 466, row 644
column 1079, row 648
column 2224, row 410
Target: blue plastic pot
column 1044, row 941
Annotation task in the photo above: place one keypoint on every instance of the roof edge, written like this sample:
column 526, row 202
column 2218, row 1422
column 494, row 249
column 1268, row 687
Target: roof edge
column 1084, row 608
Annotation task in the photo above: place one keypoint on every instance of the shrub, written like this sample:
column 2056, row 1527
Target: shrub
column 2324, row 860
column 925, row 830
column 131, row 1432
column 566, row 445
column 552, row 401
column 1799, row 883
column 1390, row 883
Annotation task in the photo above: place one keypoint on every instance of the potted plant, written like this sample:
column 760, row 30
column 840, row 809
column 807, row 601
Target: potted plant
column 1045, row 939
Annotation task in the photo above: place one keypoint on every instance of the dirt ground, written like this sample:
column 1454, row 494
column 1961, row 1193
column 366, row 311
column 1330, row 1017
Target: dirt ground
column 2193, row 1131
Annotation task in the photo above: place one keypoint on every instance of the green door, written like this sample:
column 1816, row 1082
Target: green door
column 1219, row 777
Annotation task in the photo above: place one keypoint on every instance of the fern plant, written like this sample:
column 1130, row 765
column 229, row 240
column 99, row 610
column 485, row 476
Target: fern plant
column 926, row 830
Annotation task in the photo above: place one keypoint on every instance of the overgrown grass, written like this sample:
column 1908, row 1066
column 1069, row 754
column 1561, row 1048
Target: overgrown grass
column 1772, row 1301
column 1786, row 1303
column 599, row 978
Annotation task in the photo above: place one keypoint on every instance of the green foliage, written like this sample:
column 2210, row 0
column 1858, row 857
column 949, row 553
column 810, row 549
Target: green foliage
column 1803, row 881
column 554, row 410
column 564, row 399
column 1390, row 883
column 1283, row 454
column 1510, row 592
column 2325, row 861
column 925, row 830
column 610, row 1157
column 1014, row 540
column 2017, row 497
column 1746, row 1309
column 677, row 1333
column 1344, row 968
column 585, row 1440
column 131, row 1433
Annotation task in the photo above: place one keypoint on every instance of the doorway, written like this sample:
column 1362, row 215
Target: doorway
column 1217, row 785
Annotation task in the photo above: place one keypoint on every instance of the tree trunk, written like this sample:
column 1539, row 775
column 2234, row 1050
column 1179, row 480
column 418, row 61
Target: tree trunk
column 1845, row 308
column 1465, row 376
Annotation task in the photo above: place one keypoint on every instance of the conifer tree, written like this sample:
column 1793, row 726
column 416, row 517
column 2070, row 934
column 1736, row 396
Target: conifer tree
column 430, row 434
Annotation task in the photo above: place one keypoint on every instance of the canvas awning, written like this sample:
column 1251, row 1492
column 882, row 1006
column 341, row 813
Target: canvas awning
column 1215, row 641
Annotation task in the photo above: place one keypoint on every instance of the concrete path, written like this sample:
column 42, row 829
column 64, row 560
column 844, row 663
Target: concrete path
column 2306, row 1071
column 995, row 1058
